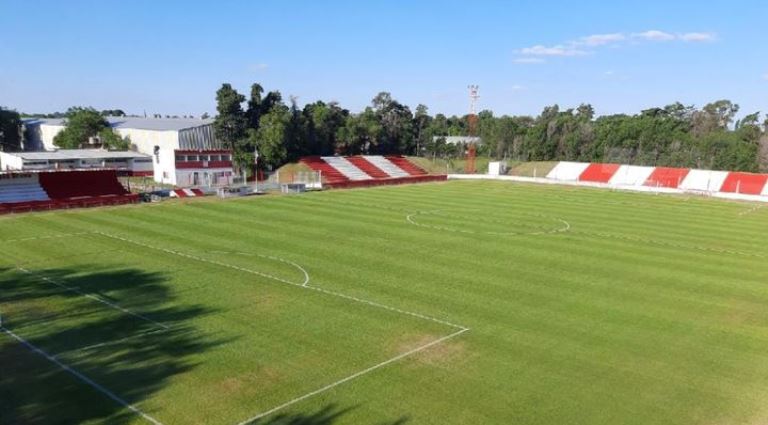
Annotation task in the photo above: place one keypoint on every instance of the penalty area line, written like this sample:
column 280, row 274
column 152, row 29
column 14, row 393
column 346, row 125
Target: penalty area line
column 351, row 377
column 81, row 377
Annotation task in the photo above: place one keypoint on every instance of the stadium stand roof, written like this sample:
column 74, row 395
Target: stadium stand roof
column 77, row 154
column 156, row 124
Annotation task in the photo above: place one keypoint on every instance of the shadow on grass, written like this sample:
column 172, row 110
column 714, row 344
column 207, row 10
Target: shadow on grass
column 62, row 321
column 327, row 415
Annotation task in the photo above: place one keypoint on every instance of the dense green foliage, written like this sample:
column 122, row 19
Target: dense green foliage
column 83, row 123
column 648, row 310
column 675, row 135
column 10, row 130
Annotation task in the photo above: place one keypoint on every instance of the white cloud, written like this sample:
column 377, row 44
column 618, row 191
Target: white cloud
column 654, row 35
column 559, row 50
column 589, row 44
column 256, row 67
column 517, row 87
column 528, row 60
column 765, row 76
column 600, row 39
column 698, row 36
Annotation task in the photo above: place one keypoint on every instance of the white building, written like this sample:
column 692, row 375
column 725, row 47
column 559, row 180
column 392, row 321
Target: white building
column 459, row 140
column 185, row 151
column 126, row 163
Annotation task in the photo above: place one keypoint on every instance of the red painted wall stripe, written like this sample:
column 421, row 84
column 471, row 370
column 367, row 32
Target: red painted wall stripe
column 747, row 183
column 666, row 177
column 599, row 173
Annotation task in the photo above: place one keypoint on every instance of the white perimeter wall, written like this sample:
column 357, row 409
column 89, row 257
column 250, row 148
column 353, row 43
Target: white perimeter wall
column 567, row 171
column 704, row 180
column 631, row 175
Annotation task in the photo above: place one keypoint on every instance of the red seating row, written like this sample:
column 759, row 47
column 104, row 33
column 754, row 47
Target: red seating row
column 599, row 173
column 404, row 164
column 747, row 183
column 75, row 189
column 72, row 184
column 666, row 177
column 91, row 201
column 386, row 182
column 329, row 174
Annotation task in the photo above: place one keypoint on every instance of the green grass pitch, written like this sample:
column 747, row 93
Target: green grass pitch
column 446, row 303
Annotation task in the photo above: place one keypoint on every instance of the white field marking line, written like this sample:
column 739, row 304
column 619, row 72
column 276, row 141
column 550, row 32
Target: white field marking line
column 566, row 227
column 82, row 377
column 671, row 244
column 351, row 377
column 95, row 298
column 288, row 282
column 751, row 210
column 113, row 342
column 270, row 257
column 34, row 238
column 461, row 329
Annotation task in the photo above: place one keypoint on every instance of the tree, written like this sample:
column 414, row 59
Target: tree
column 113, row 113
column 230, row 124
column 83, row 123
column 205, row 116
column 270, row 138
column 10, row 130
column 714, row 116
column 396, row 124
column 359, row 133
column 421, row 121
column 254, row 106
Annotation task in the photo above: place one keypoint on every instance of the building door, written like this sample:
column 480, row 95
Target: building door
column 195, row 179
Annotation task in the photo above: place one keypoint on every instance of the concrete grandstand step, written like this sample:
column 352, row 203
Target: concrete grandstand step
column 386, row 166
column 346, row 168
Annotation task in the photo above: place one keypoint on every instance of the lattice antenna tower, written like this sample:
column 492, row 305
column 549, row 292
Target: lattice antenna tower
column 472, row 121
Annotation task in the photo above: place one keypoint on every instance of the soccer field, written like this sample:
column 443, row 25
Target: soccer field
column 445, row 303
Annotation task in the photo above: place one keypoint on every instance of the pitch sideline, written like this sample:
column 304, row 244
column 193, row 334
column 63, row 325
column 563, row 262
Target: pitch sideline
column 81, row 377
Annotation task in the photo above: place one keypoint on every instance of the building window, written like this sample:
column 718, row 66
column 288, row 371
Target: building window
column 181, row 158
column 191, row 157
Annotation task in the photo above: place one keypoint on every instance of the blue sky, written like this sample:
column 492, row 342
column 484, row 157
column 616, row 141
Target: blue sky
column 169, row 57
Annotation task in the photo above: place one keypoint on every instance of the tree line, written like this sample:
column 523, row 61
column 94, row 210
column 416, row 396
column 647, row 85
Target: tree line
column 674, row 135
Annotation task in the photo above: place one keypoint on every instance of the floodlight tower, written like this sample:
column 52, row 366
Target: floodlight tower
column 472, row 124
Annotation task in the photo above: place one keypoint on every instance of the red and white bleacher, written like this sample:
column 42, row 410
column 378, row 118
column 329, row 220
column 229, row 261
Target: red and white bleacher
column 368, row 170
column 186, row 193
column 662, row 178
column 47, row 190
